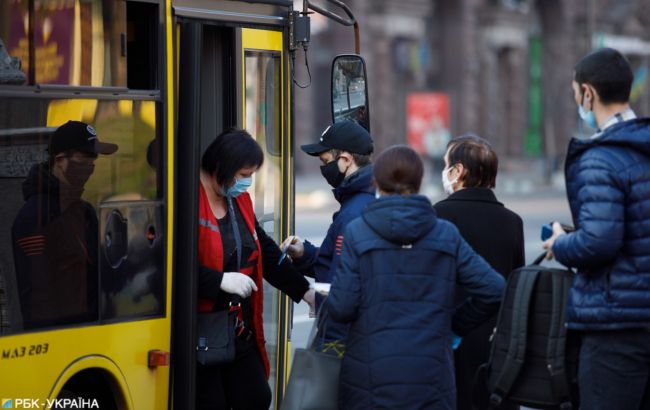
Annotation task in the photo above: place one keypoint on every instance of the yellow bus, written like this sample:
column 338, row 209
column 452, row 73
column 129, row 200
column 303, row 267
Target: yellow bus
column 104, row 315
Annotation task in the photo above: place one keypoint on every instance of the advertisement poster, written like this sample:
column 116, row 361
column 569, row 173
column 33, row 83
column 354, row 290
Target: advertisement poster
column 427, row 119
column 52, row 36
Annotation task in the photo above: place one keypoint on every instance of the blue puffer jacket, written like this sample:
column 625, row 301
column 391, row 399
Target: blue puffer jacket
column 354, row 193
column 395, row 285
column 608, row 185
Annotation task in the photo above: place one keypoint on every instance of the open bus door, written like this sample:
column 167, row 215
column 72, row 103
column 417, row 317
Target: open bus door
column 229, row 76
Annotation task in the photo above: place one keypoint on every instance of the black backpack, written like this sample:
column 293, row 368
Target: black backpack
column 533, row 361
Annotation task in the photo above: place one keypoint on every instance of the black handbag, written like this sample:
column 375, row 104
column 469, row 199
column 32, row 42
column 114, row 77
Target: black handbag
column 216, row 337
column 314, row 380
column 216, row 330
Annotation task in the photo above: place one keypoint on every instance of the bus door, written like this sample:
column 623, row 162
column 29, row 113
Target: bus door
column 265, row 92
column 229, row 76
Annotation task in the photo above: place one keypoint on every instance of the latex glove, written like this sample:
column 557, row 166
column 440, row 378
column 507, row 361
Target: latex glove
column 455, row 341
column 238, row 284
column 310, row 298
column 294, row 246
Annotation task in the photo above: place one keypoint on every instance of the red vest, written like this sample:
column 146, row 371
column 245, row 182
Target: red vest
column 211, row 257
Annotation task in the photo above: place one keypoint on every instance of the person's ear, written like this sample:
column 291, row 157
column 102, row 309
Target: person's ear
column 458, row 171
column 346, row 160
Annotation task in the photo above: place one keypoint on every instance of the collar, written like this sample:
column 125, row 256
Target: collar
column 615, row 119
column 474, row 194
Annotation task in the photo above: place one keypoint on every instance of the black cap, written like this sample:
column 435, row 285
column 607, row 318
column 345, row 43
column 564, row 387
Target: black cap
column 78, row 136
column 344, row 135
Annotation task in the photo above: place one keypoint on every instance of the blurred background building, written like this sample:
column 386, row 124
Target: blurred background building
column 499, row 68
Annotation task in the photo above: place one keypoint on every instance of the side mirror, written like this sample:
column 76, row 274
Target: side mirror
column 349, row 90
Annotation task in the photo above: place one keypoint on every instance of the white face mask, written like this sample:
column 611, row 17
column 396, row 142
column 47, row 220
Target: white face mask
column 448, row 185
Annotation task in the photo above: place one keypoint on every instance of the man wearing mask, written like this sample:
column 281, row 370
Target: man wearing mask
column 344, row 149
column 608, row 187
column 55, row 232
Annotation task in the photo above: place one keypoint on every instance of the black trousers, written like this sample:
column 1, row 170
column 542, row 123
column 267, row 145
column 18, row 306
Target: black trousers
column 238, row 385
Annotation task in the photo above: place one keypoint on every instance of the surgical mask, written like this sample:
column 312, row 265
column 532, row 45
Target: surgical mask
column 239, row 187
column 332, row 174
column 588, row 117
column 448, row 185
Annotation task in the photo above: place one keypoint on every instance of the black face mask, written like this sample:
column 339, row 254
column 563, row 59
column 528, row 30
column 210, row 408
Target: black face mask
column 77, row 173
column 331, row 173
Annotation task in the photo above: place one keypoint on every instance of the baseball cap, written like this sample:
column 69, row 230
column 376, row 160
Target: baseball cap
column 80, row 136
column 344, row 135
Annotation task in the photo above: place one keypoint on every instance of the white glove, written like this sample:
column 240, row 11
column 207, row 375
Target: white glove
column 237, row 283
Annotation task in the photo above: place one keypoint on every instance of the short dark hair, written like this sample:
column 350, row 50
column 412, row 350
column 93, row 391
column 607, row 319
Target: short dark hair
column 398, row 170
column 361, row 160
column 231, row 151
column 608, row 72
column 478, row 158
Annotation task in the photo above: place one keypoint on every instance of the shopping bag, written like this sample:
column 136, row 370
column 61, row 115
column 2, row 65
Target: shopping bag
column 314, row 379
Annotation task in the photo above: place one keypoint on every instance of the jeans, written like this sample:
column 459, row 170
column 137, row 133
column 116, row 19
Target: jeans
column 614, row 370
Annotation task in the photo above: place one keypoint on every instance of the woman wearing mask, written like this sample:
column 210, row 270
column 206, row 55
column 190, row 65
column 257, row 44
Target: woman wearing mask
column 395, row 286
column 493, row 231
column 226, row 217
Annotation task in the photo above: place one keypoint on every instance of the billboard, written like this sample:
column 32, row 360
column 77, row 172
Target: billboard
column 427, row 121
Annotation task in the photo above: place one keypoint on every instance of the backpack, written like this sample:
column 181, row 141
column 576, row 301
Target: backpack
column 533, row 359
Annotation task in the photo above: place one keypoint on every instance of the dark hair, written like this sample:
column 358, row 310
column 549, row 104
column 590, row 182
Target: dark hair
column 608, row 72
column 231, row 151
column 361, row 160
column 478, row 158
column 398, row 170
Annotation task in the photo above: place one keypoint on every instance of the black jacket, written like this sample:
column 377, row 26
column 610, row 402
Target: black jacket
column 496, row 233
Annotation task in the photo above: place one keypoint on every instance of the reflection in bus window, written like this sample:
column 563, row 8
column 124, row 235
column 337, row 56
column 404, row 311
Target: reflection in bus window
column 263, row 121
column 76, row 42
column 52, row 251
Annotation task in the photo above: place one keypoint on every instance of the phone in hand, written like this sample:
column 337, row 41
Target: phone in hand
column 547, row 230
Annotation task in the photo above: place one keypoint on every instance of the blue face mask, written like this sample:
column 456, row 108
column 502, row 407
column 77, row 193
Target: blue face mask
column 588, row 117
column 239, row 187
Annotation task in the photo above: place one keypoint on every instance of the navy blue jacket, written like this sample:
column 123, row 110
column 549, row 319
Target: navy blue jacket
column 354, row 193
column 396, row 284
column 608, row 186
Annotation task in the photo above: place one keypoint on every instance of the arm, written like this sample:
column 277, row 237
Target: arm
column 345, row 295
column 209, row 283
column 484, row 285
column 600, row 220
column 284, row 276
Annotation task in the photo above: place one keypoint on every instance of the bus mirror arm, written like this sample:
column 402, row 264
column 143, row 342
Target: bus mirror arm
column 350, row 21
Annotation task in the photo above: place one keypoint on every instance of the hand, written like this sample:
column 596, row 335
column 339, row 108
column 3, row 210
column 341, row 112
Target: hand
column 548, row 244
column 238, row 284
column 294, row 246
column 310, row 298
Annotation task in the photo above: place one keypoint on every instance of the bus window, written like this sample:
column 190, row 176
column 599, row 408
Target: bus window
column 75, row 42
column 52, row 257
column 263, row 120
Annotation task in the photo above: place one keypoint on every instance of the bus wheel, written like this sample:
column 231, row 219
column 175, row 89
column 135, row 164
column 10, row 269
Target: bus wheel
column 89, row 386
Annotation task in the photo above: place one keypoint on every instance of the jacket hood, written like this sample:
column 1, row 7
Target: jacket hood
column 40, row 181
column 360, row 181
column 633, row 134
column 400, row 218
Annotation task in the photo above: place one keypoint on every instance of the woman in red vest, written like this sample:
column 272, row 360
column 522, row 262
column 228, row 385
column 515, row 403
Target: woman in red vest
column 226, row 218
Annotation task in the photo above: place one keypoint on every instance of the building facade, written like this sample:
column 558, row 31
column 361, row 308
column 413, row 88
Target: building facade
column 506, row 66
